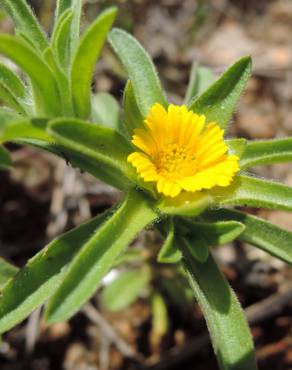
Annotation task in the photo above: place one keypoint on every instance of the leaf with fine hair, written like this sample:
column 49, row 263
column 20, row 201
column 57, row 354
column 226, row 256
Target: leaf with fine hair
column 84, row 61
column 7, row 271
column 215, row 233
column 103, row 145
column 5, row 160
column 200, row 79
column 250, row 191
column 132, row 115
column 266, row 152
column 266, row 236
column 125, row 289
column 168, row 252
column 25, row 128
column 12, row 81
column 10, row 100
column 26, row 21
column 236, row 146
column 37, row 281
column 142, row 73
column 61, row 7
column 61, row 39
column 220, row 99
column 98, row 255
column 227, row 325
column 45, row 89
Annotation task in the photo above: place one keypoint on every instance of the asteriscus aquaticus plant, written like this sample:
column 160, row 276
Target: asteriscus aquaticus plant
column 180, row 151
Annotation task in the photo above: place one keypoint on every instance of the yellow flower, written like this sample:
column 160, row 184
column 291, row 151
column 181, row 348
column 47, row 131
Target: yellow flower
column 179, row 151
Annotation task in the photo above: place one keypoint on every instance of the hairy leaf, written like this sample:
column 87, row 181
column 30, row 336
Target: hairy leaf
column 219, row 101
column 250, row 191
column 266, row 152
column 169, row 252
column 100, row 144
column 85, row 59
column 45, row 89
column 25, row 21
column 98, row 256
column 227, row 325
column 12, row 81
column 140, row 68
column 7, row 271
column 5, row 160
column 37, row 281
column 105, row 110
column 266, row 236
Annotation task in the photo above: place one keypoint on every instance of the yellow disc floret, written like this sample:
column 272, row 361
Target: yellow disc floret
column 180, row 151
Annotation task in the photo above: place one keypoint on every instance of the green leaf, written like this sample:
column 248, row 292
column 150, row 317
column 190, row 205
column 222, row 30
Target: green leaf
column 62, row 82
column 21, row 129
column 84, row 61
column 142, row 73
column 61, row 39
column 236, row 146
column 105, row 110
column 10, row 99
column 61, row 7
column 266, row 152
column 102, row 145
column 7, row 271
column 266, row 236
column 7, row 116
column 98, row 256
column 200, row 79
column 250, row 191
column 45, row 89
column 10, row 79
column 219, row 101
column 169, row 252
column 227, row 325
column 25, row 21
column 185, row 204
column 43, row 273
column 132, row 115
column 217, row 233
column 196, row 245
column 125, row 289
column 5, row 160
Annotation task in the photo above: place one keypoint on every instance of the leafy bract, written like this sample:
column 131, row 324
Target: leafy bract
column 103, row 145
column 169, row 252
column 125, row 289
column 266, row 152
column 219, row 101
column 35, row 282
column 266, row 236
column 84, row 61
column 25, row 21
column 98, row 255
column 10, row 100
column 217, row 233
column 227, row 325
column 45, row 89
column 251, row 191
column 141, row 71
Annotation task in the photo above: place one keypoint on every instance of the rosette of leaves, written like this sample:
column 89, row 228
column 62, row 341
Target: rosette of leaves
column 54, row 112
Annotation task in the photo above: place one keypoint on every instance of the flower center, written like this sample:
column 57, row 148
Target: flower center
column 175, row 162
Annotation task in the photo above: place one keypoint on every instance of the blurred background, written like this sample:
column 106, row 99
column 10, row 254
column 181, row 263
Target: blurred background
column 159, row 327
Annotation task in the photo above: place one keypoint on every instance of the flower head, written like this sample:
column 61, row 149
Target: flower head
column 180, row 151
